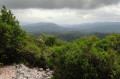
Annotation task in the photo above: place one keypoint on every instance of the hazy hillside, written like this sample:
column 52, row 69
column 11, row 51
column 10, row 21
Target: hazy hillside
column 107, row 27
column 97, row 26
column 43, row 27
column 85, row 27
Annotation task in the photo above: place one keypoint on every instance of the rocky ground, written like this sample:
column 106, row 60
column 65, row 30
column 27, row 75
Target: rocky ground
column 22, row 72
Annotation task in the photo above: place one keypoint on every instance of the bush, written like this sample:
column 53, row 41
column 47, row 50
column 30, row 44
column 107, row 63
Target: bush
column 83, row 60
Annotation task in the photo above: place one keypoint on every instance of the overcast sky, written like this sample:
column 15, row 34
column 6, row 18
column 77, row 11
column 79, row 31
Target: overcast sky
column 64, row 11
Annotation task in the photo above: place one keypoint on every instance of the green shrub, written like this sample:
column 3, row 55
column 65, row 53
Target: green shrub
column 83, row 60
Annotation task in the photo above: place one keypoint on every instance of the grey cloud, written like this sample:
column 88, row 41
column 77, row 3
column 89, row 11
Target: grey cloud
column 57, row 4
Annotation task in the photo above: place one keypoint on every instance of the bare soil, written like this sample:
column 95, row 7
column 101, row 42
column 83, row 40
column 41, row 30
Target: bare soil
column 7, row 72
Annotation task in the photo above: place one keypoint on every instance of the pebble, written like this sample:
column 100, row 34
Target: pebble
column 47, row 70
column 41, row 69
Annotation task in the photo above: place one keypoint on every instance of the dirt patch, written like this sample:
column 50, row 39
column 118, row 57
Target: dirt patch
column 7, row 72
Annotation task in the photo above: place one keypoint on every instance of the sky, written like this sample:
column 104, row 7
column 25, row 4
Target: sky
column 64, row 11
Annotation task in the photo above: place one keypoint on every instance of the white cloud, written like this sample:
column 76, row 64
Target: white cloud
column 69, row 16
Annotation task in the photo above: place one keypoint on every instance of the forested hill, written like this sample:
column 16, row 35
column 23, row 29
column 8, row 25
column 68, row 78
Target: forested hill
column 72, row 32
column 43, row 27
column 85, row 27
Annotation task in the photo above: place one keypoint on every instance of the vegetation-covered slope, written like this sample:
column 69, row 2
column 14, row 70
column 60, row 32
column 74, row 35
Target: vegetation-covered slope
column 85, row 58
column 72, row 36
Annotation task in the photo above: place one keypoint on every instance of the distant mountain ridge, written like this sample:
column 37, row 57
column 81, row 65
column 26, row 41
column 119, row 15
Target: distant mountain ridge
column 85, row 27
column 43, row 27
column 97, row 26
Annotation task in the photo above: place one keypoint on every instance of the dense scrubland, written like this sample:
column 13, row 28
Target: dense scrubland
column 71, row 35
column 84, row 58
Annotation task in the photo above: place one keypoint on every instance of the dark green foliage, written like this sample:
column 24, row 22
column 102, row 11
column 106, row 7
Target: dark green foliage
column 31, row 54
column 12, row 38
column 87, row 58
column 50, row 41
